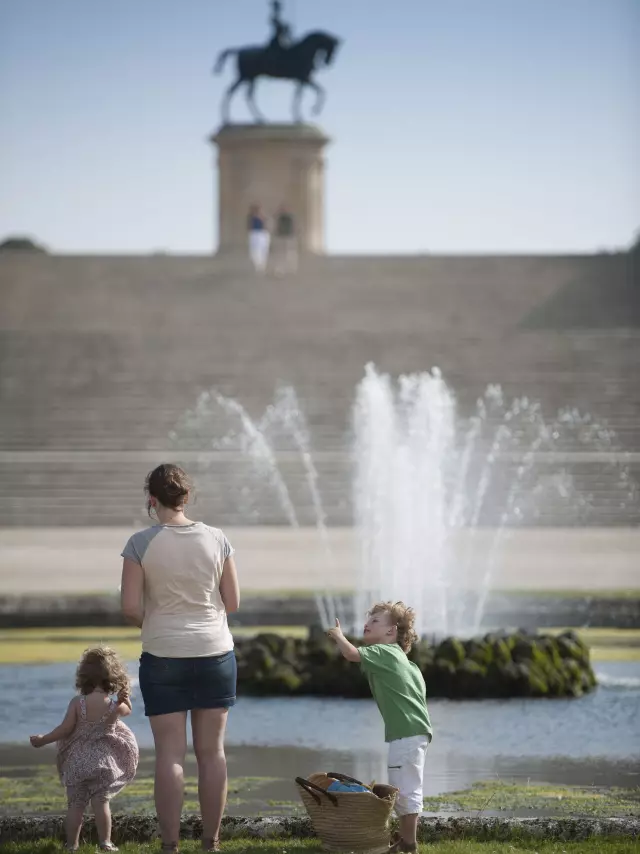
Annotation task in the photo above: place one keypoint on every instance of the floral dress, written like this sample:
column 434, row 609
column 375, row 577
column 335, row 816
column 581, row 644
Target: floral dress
column 99, row 758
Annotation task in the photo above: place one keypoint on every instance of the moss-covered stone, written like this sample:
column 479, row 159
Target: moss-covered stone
column 498, row 665
column 480, row 651
column 470, row 679
column 452, row 650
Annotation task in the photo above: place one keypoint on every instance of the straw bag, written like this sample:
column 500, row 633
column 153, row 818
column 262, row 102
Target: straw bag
column 348, row 821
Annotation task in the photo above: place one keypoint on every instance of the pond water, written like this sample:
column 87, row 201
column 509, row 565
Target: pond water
column 591, row 741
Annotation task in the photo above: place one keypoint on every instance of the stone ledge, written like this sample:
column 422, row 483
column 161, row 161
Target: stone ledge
column 529, row 611
column 282, row 132
column 144, row 828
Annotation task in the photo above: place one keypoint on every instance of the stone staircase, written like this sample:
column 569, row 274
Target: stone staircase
column 101, row 357
column 98, row 491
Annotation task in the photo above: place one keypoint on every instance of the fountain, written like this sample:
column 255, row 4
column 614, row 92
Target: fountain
column 424, row 483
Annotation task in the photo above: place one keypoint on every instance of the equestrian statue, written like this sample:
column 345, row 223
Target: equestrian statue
column 282, row 58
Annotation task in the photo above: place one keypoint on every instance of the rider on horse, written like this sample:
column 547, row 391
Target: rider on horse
column 282, row 34
column 281, row 58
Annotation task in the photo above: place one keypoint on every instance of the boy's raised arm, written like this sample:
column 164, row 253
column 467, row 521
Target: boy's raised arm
column 348, row 650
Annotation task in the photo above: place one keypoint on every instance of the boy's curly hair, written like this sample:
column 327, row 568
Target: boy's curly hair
column 402, row 617
column 100, row 667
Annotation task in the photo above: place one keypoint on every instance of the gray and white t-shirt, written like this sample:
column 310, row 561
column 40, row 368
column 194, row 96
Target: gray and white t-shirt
column 184, row 615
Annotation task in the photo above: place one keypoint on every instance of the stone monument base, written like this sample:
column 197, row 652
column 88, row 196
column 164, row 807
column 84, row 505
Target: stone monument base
column 273, row 166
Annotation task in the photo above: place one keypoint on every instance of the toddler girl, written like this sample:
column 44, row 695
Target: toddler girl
column 97, row 752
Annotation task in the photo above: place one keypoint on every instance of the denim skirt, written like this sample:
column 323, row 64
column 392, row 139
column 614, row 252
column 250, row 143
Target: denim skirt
column 180, row 684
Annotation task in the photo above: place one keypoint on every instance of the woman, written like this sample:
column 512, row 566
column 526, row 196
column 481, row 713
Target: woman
column 179, row 582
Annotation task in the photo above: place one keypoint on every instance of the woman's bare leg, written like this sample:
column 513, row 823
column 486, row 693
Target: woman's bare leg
column 170, row 737
column 208, row 727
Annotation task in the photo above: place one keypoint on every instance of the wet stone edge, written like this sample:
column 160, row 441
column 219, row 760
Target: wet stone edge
column 132, row 828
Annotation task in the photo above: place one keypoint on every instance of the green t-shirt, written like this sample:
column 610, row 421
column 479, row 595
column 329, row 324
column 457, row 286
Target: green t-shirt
column 399, row 690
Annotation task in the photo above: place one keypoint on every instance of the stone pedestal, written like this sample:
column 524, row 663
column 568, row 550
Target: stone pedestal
column 270, row 166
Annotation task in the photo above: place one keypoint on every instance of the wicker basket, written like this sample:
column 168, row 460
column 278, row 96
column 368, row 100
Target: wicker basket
column 348, row 821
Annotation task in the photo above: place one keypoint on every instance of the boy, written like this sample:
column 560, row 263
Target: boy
column 399, row 690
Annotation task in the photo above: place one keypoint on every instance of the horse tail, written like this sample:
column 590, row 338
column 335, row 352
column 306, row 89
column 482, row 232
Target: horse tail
column 222, row 59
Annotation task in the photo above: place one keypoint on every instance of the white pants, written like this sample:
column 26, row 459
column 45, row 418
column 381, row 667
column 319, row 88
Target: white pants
column 259, row 242
column 406, row 772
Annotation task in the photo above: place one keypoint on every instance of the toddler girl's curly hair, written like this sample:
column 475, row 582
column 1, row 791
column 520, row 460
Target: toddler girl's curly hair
column 101, row 668
column 401, row 616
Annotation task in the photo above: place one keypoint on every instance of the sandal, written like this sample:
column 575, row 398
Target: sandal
column 107, row 846
column 212, row 844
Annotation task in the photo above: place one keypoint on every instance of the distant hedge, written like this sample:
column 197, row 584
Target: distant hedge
column 21, row 244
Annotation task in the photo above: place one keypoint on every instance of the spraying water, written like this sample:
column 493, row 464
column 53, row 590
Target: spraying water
column 421, row 475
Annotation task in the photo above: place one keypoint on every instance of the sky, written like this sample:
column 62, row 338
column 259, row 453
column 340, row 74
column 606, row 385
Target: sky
column 456, row 125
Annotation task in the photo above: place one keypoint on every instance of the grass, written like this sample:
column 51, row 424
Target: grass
column 52, row 646
column 57, row 645
column 39, row 792
column 604, row 636
column 83, row 632
column 494, row 795
column 609, row 644
column 601, row 653
column 303, row 846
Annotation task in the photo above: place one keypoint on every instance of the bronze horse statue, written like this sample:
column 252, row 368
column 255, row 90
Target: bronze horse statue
column 297, row 63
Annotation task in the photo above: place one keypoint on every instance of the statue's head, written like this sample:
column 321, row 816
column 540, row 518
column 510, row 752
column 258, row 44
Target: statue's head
column 329, row 46
column 332, row 50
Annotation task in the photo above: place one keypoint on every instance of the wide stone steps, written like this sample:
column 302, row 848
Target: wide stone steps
column 112, row 422
column 102, row 355
column 228, row 492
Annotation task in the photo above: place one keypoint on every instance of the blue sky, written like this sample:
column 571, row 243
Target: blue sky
column 457, row 125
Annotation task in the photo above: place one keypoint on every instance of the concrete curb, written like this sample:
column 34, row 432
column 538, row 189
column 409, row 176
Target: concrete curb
column 141, row 828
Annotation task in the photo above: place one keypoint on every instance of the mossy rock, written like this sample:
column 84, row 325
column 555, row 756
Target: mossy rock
column 292, row 652
column 286, row 678
column 272, row 642
column 441, row 678
column 537, row 680
column 336, row 682
column 451, row 649
column 498, row 665
column 423, row 654
column 501, row 649
column 570, row 646
column 556, row 658
column 572, row 668
column 445, row 666
column 479, row 651
column 471, row 679
column 321, row 652
column 255, row 660
column 588, row 680
column 523, row 649
column 511, row 679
